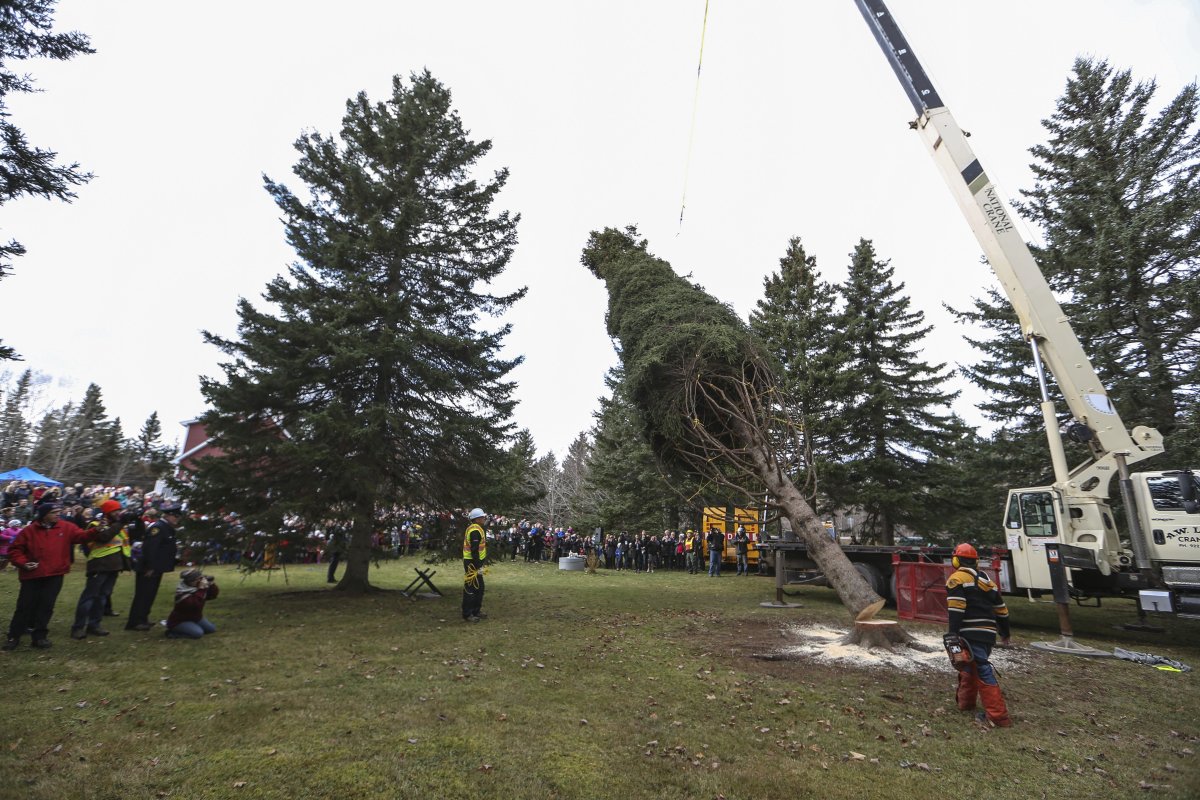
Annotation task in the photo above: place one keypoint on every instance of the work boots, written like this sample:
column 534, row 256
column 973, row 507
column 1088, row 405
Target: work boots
column 993, row 703
column 965, row 696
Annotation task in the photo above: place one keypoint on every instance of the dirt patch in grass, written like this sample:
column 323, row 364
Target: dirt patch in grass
column 770, row 645
column 823, row 643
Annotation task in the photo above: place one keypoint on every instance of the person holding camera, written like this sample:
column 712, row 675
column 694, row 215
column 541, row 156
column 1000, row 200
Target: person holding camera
column 158, row 556
column 187, row 618
column 106, row 559
column 42, row 554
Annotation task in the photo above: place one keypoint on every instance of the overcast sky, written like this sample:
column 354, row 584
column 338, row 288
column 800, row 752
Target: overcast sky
column 801, row 130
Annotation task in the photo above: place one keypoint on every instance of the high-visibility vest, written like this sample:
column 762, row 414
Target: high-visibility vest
column 467, row 542
column 119, row 543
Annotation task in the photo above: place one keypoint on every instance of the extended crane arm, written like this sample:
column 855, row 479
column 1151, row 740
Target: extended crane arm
column 1041, row 318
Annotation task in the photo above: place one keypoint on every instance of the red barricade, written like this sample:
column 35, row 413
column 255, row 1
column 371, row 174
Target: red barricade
column 921, row 588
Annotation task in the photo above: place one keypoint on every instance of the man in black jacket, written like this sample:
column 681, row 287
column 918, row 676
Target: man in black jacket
column 716, row 551
column 977, row 614
column 158, row 556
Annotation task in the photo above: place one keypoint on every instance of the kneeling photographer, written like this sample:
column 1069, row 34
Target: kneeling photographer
column 187, row 618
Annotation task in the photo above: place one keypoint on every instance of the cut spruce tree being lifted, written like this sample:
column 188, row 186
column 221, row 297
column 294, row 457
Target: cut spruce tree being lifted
column 706, row 390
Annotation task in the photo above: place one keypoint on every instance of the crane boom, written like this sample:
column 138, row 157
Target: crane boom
column 1042, row 320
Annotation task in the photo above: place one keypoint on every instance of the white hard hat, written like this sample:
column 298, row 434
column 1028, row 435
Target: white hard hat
column 476, row 513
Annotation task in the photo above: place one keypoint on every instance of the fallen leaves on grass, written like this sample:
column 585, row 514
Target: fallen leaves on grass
column 54, row 749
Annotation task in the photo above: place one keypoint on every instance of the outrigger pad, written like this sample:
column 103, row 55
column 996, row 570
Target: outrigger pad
column 958, row 650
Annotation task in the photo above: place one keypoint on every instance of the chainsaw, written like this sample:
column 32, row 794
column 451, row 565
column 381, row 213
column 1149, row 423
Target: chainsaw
column 958, row 650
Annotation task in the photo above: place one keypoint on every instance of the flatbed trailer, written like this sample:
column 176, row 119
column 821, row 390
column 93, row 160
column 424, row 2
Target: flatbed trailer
column 877, row 563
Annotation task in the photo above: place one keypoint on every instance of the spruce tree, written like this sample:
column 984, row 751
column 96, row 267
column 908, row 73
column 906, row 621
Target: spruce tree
column 962, row 483
column 797, row 321
column 374, row 377
column 630, row 488
column 707, row 390
column 514, row 485
column 1017, row 447
column 894, row 411
column 79, row 442
column 26, row 170
column 1117, row 198
column 16, row 432
column 153, row 457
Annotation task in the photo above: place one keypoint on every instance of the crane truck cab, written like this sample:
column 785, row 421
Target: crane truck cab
column 1040, row 515
column 1167, row 503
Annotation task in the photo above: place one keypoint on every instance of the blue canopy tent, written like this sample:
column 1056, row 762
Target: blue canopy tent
column 27, row 475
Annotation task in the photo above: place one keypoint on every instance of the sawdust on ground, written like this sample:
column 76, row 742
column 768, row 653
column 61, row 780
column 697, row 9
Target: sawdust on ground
column 821, row 643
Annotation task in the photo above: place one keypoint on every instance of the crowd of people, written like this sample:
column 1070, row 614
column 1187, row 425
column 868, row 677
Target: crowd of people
column 116, row 530
column 635, row 552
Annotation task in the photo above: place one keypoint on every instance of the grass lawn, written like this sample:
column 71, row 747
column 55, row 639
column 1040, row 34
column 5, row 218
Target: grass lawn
column 613, row 685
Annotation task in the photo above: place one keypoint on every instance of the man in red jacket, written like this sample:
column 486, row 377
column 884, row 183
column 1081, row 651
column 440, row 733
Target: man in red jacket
column 42, row 555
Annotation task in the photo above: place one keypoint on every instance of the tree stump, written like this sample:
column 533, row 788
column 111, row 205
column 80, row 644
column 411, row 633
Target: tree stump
column 876, row 633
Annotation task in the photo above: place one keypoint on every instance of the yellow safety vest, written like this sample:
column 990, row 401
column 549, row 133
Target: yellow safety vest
column 119, row 543
column 467, row 542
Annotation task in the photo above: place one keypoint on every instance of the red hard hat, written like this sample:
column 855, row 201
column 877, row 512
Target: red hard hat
column 965, row 550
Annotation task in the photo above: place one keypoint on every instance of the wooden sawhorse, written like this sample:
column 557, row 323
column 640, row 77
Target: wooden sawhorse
column 424, row 578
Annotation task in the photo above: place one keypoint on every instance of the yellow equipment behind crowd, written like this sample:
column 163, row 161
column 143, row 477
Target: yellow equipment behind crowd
column 727, row 519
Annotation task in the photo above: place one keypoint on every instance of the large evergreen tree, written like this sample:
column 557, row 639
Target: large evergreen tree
column 796, row 319
column 26, row 170
column 78, row 442
column 629, row 486
column 374, row 376
column 1117, row 197
column 894, row 411
column 16, row 431
column 514, row 483
column 150, row 458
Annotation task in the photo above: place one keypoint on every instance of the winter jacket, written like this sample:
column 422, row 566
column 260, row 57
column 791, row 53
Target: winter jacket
column 50, row 547
column 975, row 608
column 158, row 548
column 6, row 538
column 191, row 608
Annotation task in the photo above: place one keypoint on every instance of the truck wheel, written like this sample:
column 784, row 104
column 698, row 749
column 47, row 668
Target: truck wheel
column 873, row 577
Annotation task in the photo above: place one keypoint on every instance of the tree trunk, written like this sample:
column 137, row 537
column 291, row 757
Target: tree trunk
column 356, row 578
column 853, row 591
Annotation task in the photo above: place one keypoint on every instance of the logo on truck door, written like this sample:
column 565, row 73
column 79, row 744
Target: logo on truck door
column 1188, row 536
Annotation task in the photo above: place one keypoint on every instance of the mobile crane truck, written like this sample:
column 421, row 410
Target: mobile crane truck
column 1161, row 566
